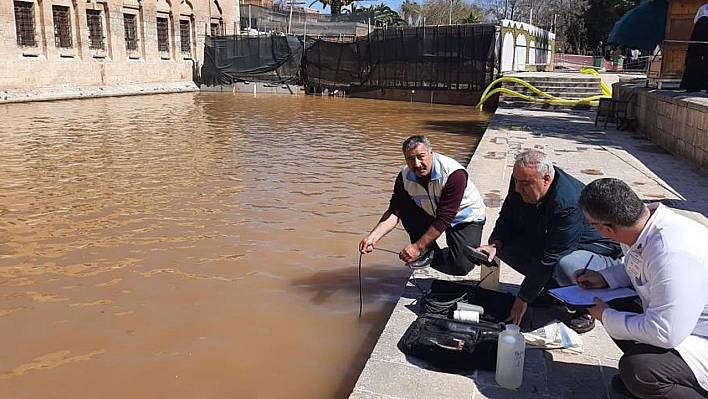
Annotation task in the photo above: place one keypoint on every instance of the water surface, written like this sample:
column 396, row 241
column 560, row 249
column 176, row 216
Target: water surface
column 200, row 244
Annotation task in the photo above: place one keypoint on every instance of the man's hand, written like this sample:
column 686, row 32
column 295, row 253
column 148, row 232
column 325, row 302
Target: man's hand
column 490, row 250
column 597, row 310
column 409, row 253
column 387, row 222
column 367, row 244
column 517, row 311
column 589, row 279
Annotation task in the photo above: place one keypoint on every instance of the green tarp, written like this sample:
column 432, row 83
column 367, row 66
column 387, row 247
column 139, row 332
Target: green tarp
column 642, row 27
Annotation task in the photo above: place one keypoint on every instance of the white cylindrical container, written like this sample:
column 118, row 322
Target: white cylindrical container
column 510, row 357
column 470, row 306
column 466, row 315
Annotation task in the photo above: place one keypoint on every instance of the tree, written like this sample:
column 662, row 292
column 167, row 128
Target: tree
column 496, row 10
column 334, row 5
column 601, row 16
column 385, row 16
column 578, row 24
column 570, row 28
column 354, row 9
column 410, row 12
column 565, row 18
column 473, row 18
column 444, row 12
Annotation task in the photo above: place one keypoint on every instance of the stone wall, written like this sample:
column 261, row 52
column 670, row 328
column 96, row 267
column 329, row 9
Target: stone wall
column 48, row 44
column 675, row 120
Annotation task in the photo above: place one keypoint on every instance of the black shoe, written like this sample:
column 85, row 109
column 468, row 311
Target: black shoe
column 582, row 322
column 423, row 261
column 619, row 387
column 479, row 258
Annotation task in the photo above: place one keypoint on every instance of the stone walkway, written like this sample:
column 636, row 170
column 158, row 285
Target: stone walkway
column 113, row 90
column 587, row 152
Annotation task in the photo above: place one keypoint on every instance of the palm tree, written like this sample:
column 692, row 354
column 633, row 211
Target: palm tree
column 410, row 11
column 334, row 5
column 385, row 16
column 352, row 10
column 473, row 18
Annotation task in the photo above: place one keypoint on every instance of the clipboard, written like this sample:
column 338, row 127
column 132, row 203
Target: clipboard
column 575, row 296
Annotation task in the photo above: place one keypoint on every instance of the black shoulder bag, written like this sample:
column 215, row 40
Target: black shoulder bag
column 450, row 345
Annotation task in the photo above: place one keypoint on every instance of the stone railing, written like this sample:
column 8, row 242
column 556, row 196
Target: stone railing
column 675, row 120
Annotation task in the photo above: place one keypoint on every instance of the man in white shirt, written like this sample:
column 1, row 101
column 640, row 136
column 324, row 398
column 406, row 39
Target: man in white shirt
column 665, row 345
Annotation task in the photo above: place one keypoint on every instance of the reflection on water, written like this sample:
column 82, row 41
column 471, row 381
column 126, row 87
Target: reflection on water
column 200, row 245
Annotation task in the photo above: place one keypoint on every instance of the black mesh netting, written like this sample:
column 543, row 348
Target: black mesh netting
column 457, row 57
column 229, row 59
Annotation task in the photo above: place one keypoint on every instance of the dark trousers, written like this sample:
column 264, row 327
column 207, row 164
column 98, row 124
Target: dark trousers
column 516, row 254
column 652, row 372
column 416, row 222
column 520, row 256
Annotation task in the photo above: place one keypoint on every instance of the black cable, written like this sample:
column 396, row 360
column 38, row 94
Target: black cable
column 442, row 306
column 414, row 281
column 361, row 294
column 361, row 290
column 386, row 250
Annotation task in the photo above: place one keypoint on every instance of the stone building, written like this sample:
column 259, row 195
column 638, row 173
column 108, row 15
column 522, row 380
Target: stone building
column 55, row 45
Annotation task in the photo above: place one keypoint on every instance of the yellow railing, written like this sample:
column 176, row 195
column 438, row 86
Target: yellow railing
column 545, row 97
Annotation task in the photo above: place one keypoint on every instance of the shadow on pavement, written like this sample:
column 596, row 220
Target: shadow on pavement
column 567, row 380
column 676, row 175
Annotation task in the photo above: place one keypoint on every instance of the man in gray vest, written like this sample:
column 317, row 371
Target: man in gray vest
column 432, row 194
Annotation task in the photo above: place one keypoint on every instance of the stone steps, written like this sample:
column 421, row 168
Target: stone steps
column 566, row 87
column 534, row 105
column 560, row 85
column 562, row 92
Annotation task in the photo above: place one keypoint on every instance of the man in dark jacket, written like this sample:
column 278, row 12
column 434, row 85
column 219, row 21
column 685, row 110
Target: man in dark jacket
column 542, row 234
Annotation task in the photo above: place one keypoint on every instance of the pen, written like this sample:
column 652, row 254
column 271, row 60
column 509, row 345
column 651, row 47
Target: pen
column 586, row 266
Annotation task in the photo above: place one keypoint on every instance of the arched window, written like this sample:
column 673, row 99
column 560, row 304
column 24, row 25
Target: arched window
column 216, row 27
column 186, row 28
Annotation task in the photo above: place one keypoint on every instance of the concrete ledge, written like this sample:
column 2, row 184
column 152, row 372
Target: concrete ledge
column 586, row 152
column 71, row 92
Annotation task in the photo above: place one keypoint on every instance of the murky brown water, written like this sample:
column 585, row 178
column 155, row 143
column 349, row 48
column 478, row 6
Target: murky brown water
column 200, row 245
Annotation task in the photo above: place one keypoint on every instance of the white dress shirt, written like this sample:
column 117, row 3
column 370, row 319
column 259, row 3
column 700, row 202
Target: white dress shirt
column 668, row 267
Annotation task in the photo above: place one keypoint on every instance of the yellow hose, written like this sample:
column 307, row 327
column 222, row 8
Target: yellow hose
column 606, row 90
column 547, row 98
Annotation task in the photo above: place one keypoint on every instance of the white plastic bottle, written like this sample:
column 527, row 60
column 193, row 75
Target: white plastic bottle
column 510, row 357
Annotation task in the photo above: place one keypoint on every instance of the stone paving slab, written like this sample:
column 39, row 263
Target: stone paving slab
column 587, row 152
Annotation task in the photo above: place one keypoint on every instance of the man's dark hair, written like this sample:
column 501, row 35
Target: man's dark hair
column 413, row 141
column 611, row 201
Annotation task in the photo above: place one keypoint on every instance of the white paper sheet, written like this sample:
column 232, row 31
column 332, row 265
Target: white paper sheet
column 576, row 296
